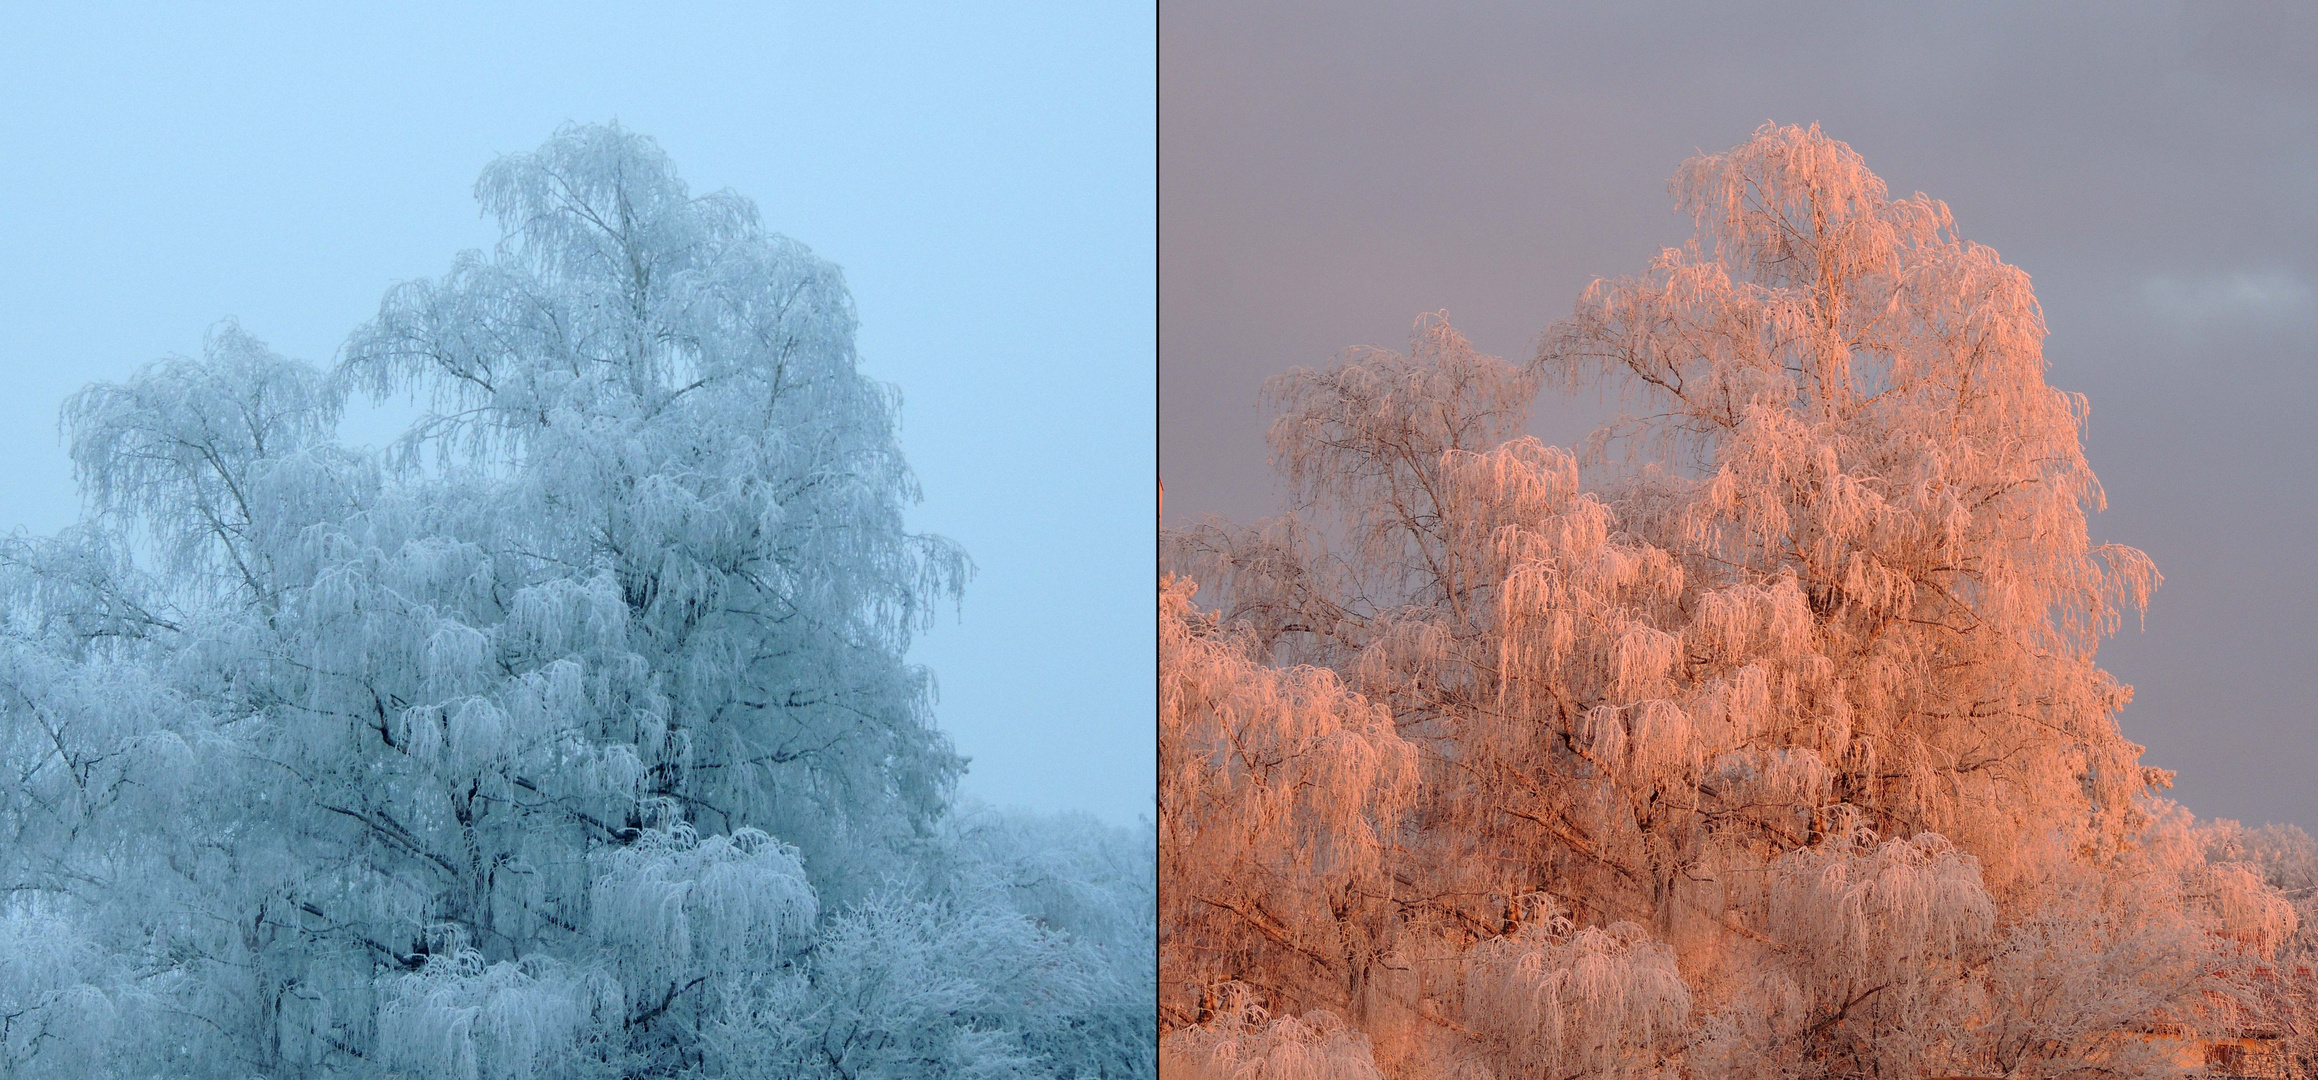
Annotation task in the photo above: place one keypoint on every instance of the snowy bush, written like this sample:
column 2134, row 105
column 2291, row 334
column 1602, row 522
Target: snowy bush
column 1245, row 1042
column 459, row 1018
column 1552, row 999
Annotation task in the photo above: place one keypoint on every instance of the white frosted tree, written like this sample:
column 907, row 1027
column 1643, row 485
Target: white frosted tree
column 565, row 738
column 54, row 1021
column 1094, row 887
column 1020, row 946
column 649, row 397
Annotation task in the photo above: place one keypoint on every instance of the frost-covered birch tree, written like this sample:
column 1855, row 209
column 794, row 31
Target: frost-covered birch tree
column 574, row 735
column 1780, row 692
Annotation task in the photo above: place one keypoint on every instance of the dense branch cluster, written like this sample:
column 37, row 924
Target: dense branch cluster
column 1760, row 736
column 573, row 736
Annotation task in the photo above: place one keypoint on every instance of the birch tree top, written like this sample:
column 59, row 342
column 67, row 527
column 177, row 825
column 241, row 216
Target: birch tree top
column 983, row 177
column 2170, row 244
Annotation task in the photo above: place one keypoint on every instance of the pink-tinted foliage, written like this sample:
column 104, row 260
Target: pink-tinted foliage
column 1783, row 687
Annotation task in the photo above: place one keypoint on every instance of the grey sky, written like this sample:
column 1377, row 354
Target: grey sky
column 1329, row 172
column 985, row 177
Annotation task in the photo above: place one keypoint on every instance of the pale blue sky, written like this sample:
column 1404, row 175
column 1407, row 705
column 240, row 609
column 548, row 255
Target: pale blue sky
column 985, row 178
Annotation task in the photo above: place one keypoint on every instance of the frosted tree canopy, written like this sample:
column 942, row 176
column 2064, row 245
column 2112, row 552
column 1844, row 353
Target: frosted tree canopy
column 570, row 736
column 1760, row 736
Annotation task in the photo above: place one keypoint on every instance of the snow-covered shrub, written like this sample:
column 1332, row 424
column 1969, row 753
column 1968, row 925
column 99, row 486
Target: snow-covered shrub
column 53, row 1021
column 1092, row 886
column 675, row 907
column 1245, row 1042
column 1552, row 999
column 459, row 1018
column 903, row 985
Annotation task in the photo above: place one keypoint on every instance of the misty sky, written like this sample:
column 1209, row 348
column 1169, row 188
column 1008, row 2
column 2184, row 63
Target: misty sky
column 1325, row 178
column 984, row 177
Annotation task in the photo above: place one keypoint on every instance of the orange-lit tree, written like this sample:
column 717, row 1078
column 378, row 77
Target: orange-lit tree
column 1788, row 676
